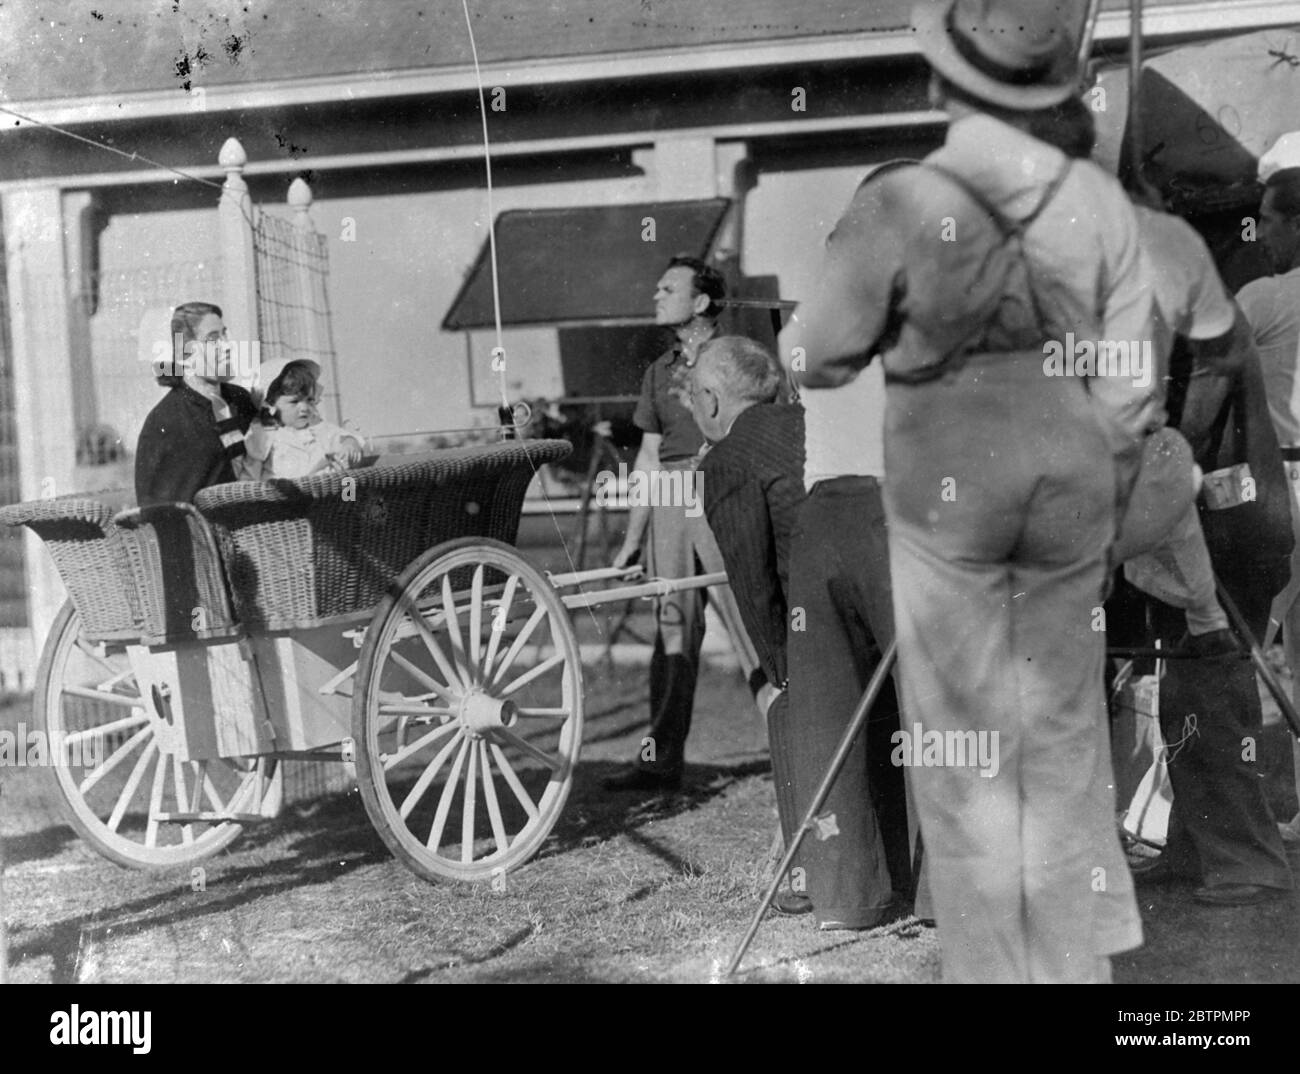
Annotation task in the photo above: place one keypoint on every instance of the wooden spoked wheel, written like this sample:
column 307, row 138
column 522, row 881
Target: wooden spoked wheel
column 114, row 780
column 467, row 715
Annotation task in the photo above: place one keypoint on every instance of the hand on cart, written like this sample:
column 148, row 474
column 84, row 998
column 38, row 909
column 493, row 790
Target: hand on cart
column 628, row 556
column 339, row 461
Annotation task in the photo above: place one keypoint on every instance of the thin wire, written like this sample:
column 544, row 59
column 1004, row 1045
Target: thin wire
column 109, row 148
column 491, row 213
column 496, row 306
column 220, row 187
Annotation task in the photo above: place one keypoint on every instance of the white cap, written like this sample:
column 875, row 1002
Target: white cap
column 1284, row 154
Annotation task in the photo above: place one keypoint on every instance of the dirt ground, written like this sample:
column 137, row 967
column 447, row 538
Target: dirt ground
column 625, row 889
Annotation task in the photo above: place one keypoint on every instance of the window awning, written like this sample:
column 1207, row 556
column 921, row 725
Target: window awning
column 583, row 265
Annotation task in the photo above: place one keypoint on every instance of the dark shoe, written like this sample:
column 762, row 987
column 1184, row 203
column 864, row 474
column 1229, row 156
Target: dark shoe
column 1237, row 894
column 791, row 904
column 641, row 779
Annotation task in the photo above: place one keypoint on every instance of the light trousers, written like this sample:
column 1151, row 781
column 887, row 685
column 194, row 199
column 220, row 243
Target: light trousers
column 1000, row 495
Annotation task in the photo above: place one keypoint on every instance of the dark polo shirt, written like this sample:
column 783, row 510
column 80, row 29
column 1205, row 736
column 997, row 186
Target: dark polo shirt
column 180, row 449
column 665, row 406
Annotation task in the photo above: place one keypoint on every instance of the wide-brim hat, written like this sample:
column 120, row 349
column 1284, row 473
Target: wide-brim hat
column 1017, row 54
column 267, row 373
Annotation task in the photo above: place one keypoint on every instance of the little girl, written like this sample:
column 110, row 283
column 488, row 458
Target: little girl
column 292, row 440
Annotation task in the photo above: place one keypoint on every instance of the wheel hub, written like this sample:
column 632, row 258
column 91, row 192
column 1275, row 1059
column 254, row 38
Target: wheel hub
column 481, row 714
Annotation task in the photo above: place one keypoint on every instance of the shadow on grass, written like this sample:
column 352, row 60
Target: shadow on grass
column 593, row 815
column 339, row 841
column 1188, row 943
column 35, row 846
column 332, row 837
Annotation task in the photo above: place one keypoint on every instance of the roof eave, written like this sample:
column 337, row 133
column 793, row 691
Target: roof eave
column 1159, row 21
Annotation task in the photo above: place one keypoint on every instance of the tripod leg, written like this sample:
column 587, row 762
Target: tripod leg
column 856, row 724
column 1242, row 630
column 917, row 860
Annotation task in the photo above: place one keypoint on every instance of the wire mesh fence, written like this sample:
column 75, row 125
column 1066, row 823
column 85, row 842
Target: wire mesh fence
column 291, row 268
column 293, row 312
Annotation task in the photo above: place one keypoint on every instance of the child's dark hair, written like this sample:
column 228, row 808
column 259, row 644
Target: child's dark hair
column 296, row 378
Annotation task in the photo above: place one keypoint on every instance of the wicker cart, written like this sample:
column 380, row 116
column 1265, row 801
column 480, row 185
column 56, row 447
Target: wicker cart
column 381, row 617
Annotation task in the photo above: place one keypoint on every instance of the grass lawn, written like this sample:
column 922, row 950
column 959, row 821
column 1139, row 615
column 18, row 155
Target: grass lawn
column 625, row 889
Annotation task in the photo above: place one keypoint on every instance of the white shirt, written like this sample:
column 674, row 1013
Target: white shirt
column 1190, row 298
column 844, row 428
column 1272, row 306
column 220, row 408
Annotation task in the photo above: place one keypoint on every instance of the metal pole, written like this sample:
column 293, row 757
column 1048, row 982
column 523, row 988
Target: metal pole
column 1257, row 658
column 856, row 723
column 1134, row 129
column 1089, row 32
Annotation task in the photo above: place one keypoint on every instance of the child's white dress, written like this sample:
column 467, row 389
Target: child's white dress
column 279, row 451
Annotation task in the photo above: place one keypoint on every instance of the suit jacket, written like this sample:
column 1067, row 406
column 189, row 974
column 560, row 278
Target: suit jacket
column 752, row 487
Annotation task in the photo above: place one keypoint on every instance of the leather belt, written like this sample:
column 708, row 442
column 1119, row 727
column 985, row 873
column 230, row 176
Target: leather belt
column 1291, row 454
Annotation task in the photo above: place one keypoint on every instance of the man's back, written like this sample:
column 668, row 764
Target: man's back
column 1272, row 306
column 915, row 242
column 752, row 485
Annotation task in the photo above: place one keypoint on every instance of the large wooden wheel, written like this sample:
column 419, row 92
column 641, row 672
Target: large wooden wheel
column 467, row 714
column 116, row 784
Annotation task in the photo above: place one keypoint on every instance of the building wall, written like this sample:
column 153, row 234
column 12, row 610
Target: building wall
column 146, row 260
column 396, row 263
column 788, row 215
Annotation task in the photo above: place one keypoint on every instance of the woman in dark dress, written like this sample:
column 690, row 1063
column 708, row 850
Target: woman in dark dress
column 192, row 437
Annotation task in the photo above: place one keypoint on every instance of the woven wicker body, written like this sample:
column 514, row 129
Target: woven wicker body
column 300, row 553
column 295, row 554
column 89, row 550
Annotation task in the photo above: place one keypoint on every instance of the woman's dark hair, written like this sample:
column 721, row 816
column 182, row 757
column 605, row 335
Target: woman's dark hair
column 296, row 378
column 185, row 324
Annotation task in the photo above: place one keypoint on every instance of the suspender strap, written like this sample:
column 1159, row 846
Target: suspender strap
column 1010, row 229
column 1006, row 225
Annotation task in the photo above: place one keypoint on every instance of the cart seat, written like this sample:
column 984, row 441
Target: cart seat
column 149, row 576
column 320, row 549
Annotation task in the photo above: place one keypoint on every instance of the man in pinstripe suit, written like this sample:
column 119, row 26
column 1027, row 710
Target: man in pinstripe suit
column 752, row 485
